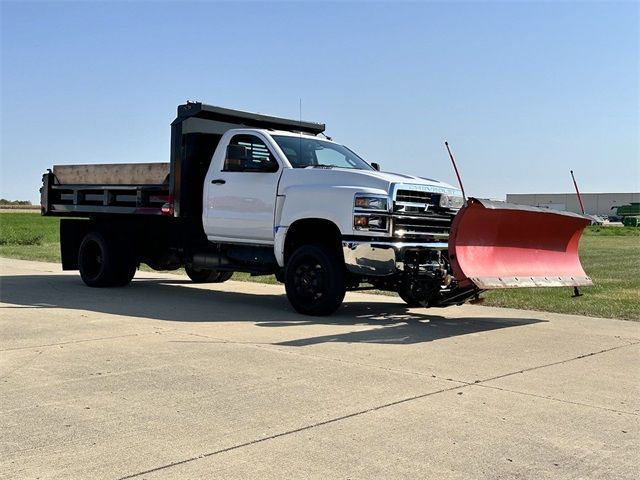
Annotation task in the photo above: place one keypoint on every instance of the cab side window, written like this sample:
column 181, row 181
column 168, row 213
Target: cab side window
column 248, row 153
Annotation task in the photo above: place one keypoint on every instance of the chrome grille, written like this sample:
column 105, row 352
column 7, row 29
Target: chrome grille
column 415, row 201
column 411, row 227
column 417, row 215
column 414, row 196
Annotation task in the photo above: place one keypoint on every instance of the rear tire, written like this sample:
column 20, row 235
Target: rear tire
column 104, row 261
column 315, row 280
column 204, row 275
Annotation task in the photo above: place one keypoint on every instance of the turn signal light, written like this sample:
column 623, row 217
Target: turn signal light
column 361, row 221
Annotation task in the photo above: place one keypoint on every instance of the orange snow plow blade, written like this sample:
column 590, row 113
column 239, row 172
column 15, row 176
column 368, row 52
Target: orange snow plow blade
column 501, row 245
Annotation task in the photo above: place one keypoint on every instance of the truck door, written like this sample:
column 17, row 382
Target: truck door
column 241, row 192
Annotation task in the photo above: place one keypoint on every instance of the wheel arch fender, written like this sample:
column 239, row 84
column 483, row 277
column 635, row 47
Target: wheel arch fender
column 304, row 231
column 72, row 232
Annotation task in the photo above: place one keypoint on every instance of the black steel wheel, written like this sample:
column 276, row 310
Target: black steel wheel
column 315, row 280
column 417, row 295
column 204, row 275
column 409, row 297
column 104, row 261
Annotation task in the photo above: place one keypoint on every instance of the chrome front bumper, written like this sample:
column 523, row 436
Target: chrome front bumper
column 380, row 257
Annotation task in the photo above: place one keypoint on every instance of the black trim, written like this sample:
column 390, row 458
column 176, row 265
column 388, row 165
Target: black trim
column 247, row 119
column 362, row 238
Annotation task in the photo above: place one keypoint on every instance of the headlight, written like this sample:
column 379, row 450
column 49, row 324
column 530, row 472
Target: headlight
column 369, row 202
column 451, row 201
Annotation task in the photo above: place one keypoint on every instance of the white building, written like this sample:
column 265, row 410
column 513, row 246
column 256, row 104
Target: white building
column 594, row 203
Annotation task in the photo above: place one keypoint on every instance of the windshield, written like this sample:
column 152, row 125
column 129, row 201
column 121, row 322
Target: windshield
column 305, row 152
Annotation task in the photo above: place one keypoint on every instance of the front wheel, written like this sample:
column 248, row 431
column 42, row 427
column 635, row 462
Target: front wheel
column 315, row 280
column 205, row 275
column 410, row 297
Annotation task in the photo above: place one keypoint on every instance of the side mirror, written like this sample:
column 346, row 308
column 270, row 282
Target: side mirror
column 376, row 166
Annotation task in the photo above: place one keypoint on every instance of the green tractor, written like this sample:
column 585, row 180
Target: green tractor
column 630, row 214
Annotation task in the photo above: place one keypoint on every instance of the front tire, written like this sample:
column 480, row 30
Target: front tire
column 315, row 280
column 104, row 261
column 409, row 297
column 204, row 275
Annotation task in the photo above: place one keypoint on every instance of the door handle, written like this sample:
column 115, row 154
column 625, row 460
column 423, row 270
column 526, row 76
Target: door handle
column 218, row 181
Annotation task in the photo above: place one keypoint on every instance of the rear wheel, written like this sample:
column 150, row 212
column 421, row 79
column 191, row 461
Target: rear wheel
column 315, row 280
column 104, row 261
column 204, row 275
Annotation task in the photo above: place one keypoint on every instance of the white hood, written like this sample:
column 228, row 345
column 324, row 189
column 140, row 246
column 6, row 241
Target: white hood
column 368, row 179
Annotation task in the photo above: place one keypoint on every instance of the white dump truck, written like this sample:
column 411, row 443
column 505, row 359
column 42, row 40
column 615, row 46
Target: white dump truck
column 246, row 192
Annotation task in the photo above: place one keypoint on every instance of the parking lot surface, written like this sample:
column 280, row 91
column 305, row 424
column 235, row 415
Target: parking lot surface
column 167, row 379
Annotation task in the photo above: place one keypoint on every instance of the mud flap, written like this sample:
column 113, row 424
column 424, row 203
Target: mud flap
column 501, row 245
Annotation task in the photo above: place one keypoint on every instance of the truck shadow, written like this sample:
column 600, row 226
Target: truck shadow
column 180, row 301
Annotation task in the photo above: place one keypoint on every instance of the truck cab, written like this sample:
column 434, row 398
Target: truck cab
column 286, row 189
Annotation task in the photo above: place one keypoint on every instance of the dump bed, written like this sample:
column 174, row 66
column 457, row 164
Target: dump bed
column 112, row 174
column 170, row 189
column 81, row 190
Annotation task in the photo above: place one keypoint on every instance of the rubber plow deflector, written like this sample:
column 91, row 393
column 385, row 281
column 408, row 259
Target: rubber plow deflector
column 501, row 245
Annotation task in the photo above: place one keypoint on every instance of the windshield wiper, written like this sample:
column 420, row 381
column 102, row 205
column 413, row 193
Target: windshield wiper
column 321, row 165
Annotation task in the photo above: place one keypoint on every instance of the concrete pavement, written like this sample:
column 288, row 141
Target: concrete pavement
column 166, row 379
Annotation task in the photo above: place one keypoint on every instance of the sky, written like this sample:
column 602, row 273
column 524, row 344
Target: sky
column 523, row 92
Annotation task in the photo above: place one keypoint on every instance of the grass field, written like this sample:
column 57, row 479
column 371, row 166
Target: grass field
column 29, row 236
column 612, row 261
column 610, row 255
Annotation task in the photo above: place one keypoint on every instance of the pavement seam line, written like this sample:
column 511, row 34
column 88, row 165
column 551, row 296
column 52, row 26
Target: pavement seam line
column 545, row 397
column 560, row 362
column 271, row 348
column 74, row 341
column 463, row 382
column 291, row 432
